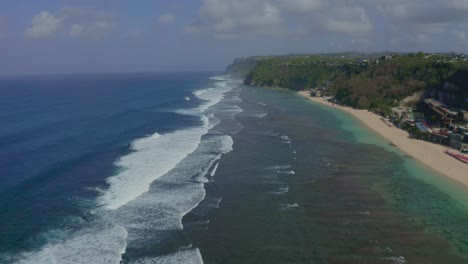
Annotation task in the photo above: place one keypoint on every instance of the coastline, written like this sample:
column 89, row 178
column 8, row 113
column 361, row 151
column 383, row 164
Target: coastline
column 428, row 153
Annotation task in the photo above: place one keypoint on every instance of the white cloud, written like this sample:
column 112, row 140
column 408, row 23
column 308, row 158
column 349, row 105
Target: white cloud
column 301, row 7
column 460, row 34
column 43, row 25
column 231, row 18
column 361, row 42
column 91, row 22
column 460, row 4
column 394, row 9
column 166, row 19
column 192, row 29
column 349, row 20
column 79, row 21
column 366, row 23
column 76, row 30
column 135, row 33
column 423, row 37
column 3, row 28
column 430, row 27
column 104, row 25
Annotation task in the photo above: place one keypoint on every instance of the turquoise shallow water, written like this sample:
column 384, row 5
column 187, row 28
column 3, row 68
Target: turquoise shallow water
column 310, row 184
column 356, row 131
column 435, row 202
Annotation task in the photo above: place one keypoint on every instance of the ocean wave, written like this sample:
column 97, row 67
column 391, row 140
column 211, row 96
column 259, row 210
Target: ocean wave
column 161, row 208
column 396, row 260
column 286, row 140
column 154, row 157
column 221, row 78
column 198, row 92
column 213, row 171
column 186, row 256
column 280, row 191
column 105, row 244
column 280, row 167
column 291, row 172
column 157, row 184
column 285, row 207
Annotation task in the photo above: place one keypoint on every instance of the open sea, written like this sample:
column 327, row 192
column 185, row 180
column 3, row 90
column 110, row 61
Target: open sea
column 191, row 168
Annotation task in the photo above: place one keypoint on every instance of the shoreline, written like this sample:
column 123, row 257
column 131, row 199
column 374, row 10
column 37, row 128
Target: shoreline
column 430, row 154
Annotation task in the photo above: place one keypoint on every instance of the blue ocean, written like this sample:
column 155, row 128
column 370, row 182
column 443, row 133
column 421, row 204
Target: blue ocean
column 79, row 156
column 182, row 168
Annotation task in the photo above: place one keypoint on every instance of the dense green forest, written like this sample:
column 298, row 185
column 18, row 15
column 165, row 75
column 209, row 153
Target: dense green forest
column 300, row 73
column 368, row 83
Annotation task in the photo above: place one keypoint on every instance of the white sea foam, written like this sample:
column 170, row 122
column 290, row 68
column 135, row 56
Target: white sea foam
column 275, row 182
column 134, row 208
column 198, row 92
column 213, row 172
column 96, row 245
column 289, row 206
column 163, row 208
column 212, row 96
column 187, row 98
column 286, row 140
column 153, row 157
column 397, row 260
column 218, row 202
column 202, row 172
column 185, row 256
column 156, row 156
column 280, row 167
column 291, row 172
column 281, row 191
column 221, row 78
column 156, row 135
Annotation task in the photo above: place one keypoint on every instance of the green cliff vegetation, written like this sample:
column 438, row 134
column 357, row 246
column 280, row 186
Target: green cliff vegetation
column 300, row 73
column 374, row 81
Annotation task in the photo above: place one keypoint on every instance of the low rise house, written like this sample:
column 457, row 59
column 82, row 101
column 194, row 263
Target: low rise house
column 443, row 114
column 439, row 136
column 407, row 116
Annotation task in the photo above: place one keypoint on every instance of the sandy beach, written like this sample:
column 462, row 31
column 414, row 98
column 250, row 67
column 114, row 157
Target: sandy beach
column 430, row 154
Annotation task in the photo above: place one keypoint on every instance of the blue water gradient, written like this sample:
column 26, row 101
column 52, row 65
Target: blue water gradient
column 60, row 136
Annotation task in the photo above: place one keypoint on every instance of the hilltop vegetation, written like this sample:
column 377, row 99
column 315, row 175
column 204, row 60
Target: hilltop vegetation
column 367, row 82
column 300, row 73
column 385, row 84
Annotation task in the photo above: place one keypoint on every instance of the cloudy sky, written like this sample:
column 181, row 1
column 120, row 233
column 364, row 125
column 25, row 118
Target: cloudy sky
column 50, row 36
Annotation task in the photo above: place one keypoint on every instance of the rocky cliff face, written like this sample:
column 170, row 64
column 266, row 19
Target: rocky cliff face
column 241, row 67
column 454, row 91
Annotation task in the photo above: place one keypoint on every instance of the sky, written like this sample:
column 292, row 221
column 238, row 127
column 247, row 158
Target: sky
column 76, row 36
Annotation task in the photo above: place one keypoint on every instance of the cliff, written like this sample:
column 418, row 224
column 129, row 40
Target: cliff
column 241, row 67
column 369, row 81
